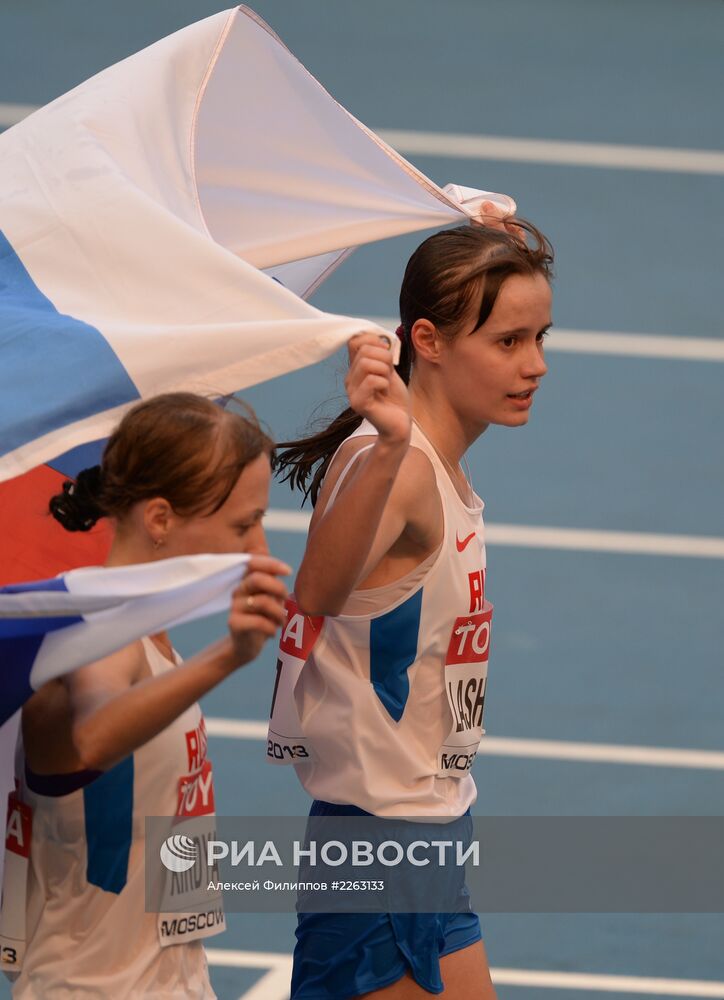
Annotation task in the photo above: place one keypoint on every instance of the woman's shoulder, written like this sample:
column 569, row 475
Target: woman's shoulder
column 416, row 472
column 49, row 713
column 115, row 672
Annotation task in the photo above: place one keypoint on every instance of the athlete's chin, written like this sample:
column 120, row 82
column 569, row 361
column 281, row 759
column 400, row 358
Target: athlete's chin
column 519, row 419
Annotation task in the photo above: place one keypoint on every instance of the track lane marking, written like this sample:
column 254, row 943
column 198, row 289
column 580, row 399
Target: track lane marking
column 569, row 539
column 502, row 746
column 612, row 156
column 11, row 114
column 607, row 984
column 541, row 978
column 274, row 985
column 562, row 152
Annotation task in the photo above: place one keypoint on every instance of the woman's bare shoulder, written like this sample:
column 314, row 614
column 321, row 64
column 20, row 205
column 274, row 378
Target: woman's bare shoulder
column 416, row 472
column 111, row 674
column 119, row 669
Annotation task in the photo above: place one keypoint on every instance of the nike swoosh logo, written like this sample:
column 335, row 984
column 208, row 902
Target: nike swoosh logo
column 461, row 545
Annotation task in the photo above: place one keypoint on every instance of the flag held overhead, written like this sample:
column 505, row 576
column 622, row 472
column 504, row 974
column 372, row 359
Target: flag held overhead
column 146, row 212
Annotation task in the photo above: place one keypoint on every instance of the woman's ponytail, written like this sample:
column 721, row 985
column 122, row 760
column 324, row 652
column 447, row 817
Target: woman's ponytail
column 295, row 464
column 78, row 507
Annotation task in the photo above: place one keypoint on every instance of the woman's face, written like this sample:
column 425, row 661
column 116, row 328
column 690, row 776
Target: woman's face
column 235, row 527
column 491, row 374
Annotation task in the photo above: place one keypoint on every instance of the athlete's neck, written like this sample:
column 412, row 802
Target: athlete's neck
column 128, row 550
column 441, row 424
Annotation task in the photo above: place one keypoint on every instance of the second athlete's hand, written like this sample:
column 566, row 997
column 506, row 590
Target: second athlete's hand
column 376, row 391
column 257, row 607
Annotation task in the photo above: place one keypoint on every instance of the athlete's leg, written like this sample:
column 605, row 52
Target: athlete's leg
column 465, row 974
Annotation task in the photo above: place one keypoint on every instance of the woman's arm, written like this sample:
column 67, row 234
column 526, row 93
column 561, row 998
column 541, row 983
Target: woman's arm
column 112, row 716
column 112, row 712
column 383, row 495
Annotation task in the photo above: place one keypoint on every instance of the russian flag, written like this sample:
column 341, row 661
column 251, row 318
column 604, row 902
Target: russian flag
column 51, row 627
column 33, row 544
column 161, row 227
column 146, row 213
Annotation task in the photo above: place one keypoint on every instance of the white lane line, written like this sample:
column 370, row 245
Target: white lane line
column 602, row 753
column 296, row 521
column 231, row 959
column 11, row 114
column 237, row 729
column 281, row 964
column 636, row 345
column 608, row 984
column 631, row 542
column 572, row 539
column 500, row 746
column 273, row 986
column 460, row 146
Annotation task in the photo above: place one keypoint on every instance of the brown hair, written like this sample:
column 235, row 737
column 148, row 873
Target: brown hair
column 179, row 446
column 445, row 275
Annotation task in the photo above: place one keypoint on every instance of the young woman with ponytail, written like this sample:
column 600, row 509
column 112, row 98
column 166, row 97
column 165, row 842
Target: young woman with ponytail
column 124, row 738
column 395, row 565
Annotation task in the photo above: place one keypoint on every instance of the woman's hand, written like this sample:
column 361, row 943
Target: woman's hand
column 496, row 217
column 257, row 607
column 376, row 391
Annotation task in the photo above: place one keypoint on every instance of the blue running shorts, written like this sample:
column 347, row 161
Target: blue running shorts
column 343, row 955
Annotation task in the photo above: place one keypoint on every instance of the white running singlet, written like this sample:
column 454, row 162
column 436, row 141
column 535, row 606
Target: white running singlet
column 381, row 707
column 88, row 935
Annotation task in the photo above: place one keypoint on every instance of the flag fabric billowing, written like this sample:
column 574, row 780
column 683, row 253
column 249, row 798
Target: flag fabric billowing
column 51, row 627
column 146, row 213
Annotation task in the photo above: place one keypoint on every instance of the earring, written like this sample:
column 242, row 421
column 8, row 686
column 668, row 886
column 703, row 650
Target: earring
column 157, row 543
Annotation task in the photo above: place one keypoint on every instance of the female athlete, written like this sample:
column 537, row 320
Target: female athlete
column 124, row 737
column 390, row 699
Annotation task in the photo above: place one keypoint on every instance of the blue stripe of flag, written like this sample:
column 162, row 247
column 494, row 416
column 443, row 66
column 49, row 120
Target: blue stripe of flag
column 20, row 640
column 54, row 369
column 70, row 463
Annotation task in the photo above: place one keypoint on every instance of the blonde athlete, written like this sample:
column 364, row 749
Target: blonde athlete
column 124, row 738
column 390, row 699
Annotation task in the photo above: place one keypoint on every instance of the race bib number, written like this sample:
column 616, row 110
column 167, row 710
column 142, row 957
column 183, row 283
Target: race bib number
column 286, row 743
column 196, row 792
column 190, row 911
column 15, row 884
column 466, row 676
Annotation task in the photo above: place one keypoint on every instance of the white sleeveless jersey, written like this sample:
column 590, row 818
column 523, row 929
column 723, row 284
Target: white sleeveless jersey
column 88, row 935
column 384, row 709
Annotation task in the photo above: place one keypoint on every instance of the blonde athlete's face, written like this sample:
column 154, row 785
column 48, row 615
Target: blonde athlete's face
column 235, row 527
column 492, row 373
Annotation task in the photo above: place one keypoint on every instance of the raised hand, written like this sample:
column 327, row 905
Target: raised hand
column 496, row 217
column 375, row 390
